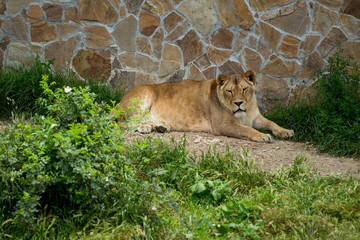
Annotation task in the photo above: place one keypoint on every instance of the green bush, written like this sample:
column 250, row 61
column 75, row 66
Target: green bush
column 332, row 120
column 71, row 161
column 20, row 89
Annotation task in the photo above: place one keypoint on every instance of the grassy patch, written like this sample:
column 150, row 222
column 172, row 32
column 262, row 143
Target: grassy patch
column 332, row 120
column 20, row 89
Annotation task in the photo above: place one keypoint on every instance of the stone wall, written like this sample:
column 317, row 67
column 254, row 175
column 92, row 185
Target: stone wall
column 135, row 42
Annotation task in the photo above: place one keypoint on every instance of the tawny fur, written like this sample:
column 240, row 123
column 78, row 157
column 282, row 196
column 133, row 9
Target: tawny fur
column 223, row 106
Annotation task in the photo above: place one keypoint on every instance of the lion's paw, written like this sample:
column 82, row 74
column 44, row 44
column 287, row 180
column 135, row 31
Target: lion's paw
column 284, row 133
column 162, row 128
column 262, row 137
column 144, row 128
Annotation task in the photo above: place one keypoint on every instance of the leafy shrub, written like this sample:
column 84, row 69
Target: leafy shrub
column 332, row 120
column 71, row 160
column 20, row 89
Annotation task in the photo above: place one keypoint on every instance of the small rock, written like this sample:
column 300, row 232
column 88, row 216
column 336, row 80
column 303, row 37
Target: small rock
column 195, row 73
column 231, row 67
column 92, row 65
column 53, row 12
column 222, row 38
column 215, row 140
column 323, row 19
column 200, row 13
column 279, row 67
column 260, row 5
column 244, row 14
column 171, row 21
column 226, row 12
column 157, row 42
column 158, row 7
column 133, row 6
column 125, row 33
column 97, row 37
column 148, row 23
column 271, row 35
column 191, row 46
column 97, row 10
column 16, row 28
column 250, row 59
column 334, row 37
column 218, row 56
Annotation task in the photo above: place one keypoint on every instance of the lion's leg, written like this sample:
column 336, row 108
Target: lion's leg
column 241, row 131
column 261, row 122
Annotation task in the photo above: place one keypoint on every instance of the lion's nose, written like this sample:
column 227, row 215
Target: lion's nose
column 238, row 103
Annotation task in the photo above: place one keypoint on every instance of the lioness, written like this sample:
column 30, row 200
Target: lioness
column 223, row 106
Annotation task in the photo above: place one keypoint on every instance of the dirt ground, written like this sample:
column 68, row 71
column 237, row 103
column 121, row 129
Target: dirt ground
column 269, row 156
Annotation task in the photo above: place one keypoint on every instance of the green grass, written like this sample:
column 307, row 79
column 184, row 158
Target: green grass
column 291, row 203
column 20, row 89
column 301, row 208
column 332, row 121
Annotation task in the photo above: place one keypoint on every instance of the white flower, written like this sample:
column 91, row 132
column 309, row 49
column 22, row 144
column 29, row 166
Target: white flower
column 67, row 89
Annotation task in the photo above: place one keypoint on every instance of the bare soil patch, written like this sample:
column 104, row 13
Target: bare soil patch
column 269, row 156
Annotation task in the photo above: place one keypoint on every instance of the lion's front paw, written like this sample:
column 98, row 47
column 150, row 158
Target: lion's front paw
column 284, row 133
column 162, row 128
column 144, row 128
column 262, row 137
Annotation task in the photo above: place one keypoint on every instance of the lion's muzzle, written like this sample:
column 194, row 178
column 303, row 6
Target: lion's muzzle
column 238, row 104
column 239, row 110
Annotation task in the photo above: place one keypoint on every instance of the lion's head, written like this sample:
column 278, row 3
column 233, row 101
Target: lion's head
column 235, row 92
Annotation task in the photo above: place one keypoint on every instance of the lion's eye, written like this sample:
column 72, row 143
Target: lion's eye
column 244, row 90
column 229, row 91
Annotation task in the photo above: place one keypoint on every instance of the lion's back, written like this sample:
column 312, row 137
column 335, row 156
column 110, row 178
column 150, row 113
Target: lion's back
column 182, row 91
column 183, row 105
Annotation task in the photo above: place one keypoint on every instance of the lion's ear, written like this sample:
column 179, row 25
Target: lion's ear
column 250, row 76
column 221, row 79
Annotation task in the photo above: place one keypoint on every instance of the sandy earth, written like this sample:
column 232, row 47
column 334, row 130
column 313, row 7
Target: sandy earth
column 269, row 156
